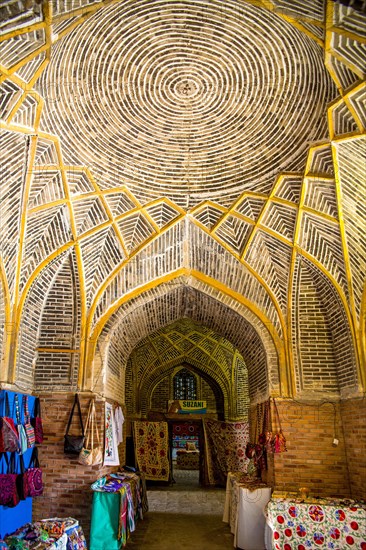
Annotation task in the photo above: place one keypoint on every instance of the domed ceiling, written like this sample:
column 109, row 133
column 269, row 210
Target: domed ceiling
column 191, row 101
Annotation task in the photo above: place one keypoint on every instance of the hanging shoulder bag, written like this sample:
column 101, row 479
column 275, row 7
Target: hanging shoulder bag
column 29, row 430
column 33, row 482
column 36, row 422
column 91, row 456
column 8, row 483
column 23, row 442
column 74, row 443
column 9, row 439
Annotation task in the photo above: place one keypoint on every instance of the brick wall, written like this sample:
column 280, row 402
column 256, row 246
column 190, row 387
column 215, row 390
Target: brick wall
column 66, row 483
column 353, row 413
column 316, row 361
column 311, row 459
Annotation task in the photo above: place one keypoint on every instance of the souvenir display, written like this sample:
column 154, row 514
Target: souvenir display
column 119, row 500
column 316, row 523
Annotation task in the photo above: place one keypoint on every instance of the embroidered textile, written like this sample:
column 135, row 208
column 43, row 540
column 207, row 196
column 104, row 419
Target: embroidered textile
column 325, row 523
column 225, row 444
column 152, row 449
column 186, row 429
column 111, row 457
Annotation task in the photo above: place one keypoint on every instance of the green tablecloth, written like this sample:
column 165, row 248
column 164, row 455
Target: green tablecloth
column 104, row 521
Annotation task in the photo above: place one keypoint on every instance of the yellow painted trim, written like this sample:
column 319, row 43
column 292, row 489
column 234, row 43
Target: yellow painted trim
column 102, row 321
column 258, row 221
column 23, row 30
column 310, row 158
column 362, row 331
column 291, row 280
column 21, row 248
column 79, row 262
column 23, row 62
column 353, row 316
column 20, row 102
column 319, row 214
column 119, row 267
column 202, row 205
column 99, row 194
column 4, row 366
column 251, row 270
column 347, row 34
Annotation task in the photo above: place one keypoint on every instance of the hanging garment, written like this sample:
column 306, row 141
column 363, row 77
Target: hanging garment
column 119, row 420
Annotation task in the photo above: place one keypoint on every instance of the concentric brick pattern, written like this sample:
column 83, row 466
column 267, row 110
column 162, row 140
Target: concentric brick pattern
column 175, row 98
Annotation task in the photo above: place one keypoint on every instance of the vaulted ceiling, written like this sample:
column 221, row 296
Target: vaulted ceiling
column 149, row 141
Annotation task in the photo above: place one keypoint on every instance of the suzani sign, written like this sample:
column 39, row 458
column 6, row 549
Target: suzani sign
column 111, row 457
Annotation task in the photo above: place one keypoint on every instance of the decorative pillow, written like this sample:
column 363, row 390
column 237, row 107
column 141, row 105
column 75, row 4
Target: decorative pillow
column 190, row 446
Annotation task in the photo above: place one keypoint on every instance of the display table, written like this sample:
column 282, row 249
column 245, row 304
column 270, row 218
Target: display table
column 119, row 500
column 315, row 523
column 245, row 502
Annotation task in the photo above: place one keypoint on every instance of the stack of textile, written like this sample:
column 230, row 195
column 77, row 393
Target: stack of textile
column 47, row 534
column 119, row 500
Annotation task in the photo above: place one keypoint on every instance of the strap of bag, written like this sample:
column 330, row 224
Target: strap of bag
column 3, row 455
column 7, row 406
column 96, row 423
column 17, row 408
column 34, row 461
column 21, row 464
column 10, row 464
column 25, row 409
column 87, row 425
column 37, row 408
column 92, row 420
column 76, row 401
column 277, row 415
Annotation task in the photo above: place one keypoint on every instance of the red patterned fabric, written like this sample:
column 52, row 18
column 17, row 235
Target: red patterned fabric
column 186, row 429
column 225, row 444
column 152, row 449
column 327, row 523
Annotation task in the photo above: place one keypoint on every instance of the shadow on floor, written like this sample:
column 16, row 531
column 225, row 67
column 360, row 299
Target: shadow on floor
column 183, row 515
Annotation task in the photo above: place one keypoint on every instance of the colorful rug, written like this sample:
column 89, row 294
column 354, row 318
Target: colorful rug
column 152, row 449
column 225, row 444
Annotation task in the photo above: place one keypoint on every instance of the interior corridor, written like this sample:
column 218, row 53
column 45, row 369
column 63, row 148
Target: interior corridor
column 183, row 515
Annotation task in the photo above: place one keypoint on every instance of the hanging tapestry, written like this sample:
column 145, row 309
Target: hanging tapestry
column 186, row 429
column 225, row 444
column 111, row 457
column 152, row 449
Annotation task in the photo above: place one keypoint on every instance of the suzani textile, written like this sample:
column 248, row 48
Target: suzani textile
column 225, row 444
column 325, row 524
column 152, row 449
column 111, row 457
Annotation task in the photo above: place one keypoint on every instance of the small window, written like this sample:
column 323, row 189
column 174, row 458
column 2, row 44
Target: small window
column 185, row 386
